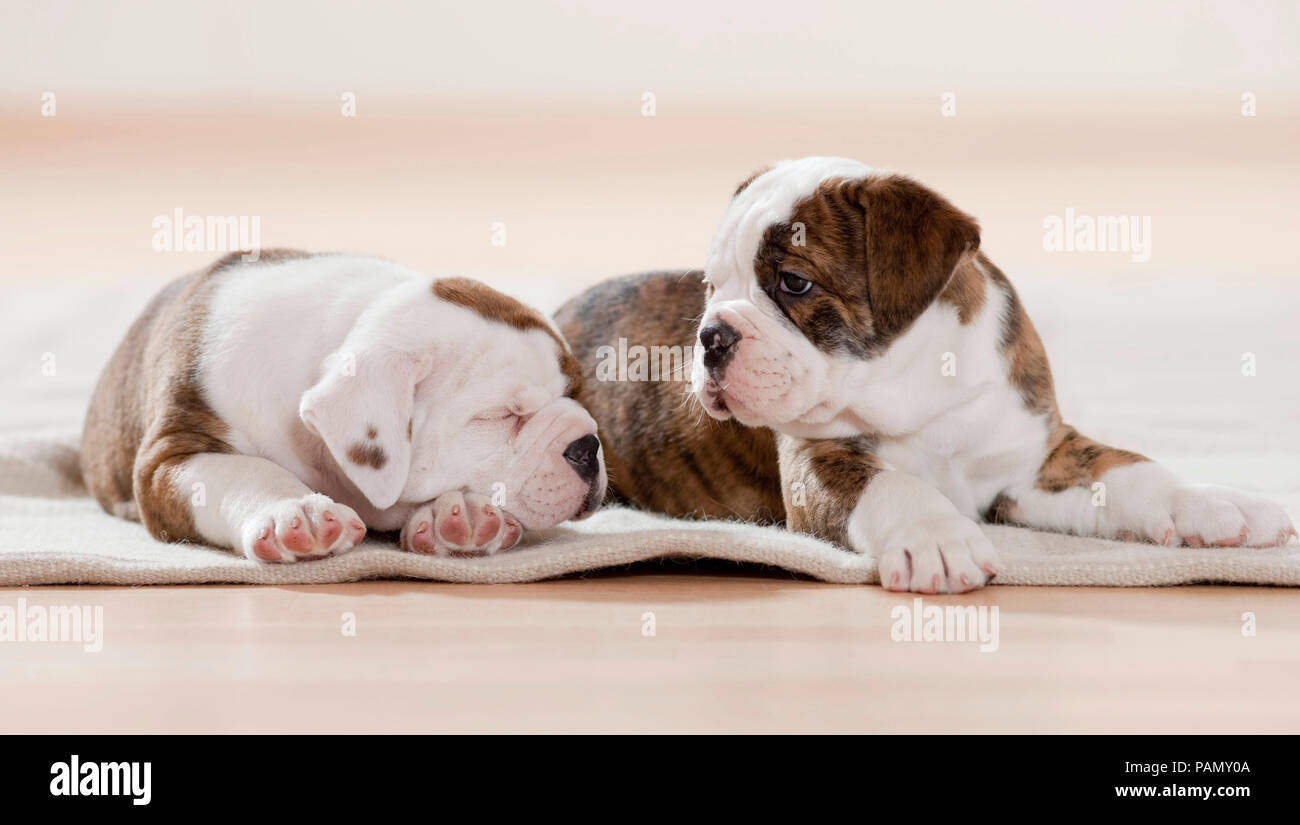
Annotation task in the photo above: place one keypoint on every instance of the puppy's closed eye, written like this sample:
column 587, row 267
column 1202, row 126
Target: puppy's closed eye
column 502, row 416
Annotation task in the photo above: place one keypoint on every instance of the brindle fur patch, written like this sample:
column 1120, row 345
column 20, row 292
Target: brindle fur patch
column 965, row 292
column 1003, row 510
column 1072, row 461
column 1030, row 373
column 1077, row 461
column 662, row 451
column 822, row 481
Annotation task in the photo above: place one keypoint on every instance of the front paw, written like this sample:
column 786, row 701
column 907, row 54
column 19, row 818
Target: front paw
column 460, row 524
column 936, row 553
column 311, row 527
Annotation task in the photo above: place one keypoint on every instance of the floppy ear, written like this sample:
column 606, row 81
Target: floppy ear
column 361, row 408
column 915, row 239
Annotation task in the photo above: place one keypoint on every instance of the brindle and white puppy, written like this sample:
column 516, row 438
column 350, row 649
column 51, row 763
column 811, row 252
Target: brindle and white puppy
column 834, row 297
column 279, row 407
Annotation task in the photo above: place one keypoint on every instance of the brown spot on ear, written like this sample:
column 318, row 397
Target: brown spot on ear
column 409, row 424
column 744, row 184
column 497, row 306
column 371, row 432
column 367, row 455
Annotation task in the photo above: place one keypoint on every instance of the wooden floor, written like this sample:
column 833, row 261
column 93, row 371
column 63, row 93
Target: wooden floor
column 732, row 650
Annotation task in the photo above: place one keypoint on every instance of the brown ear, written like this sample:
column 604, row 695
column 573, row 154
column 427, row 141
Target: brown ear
column 915, row 239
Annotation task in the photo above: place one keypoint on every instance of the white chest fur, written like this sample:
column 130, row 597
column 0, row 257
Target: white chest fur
column 941, row 401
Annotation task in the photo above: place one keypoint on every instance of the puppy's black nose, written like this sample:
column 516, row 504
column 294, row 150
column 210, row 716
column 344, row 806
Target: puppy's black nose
column 581, row 455
column 718, row 339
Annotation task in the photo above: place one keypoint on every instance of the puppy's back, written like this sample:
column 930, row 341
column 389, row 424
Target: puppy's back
column 149, row 388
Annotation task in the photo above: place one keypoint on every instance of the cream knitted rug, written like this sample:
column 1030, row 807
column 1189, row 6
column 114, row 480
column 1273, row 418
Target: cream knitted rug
column 52, row 533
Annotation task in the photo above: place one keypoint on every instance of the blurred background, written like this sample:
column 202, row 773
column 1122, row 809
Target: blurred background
column 593, row 139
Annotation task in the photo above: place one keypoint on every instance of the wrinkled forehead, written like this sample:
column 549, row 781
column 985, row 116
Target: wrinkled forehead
column 522, row 338
column 769, row 199
column 511, row 358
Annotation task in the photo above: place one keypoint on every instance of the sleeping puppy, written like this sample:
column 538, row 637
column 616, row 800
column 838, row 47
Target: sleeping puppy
column 869, row 377
column 279, row 407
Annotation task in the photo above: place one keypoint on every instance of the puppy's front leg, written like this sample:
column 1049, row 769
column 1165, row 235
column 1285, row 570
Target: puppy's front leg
column 837, row 489
column 248, row 504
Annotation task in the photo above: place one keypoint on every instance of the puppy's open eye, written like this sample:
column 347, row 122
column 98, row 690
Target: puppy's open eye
column 794, row 284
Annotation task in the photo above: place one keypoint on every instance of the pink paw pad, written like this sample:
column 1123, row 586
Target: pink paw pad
column 454, row 529
column 422, row 539
column 358, row 531
column 296, row 538
column 1236, row 541
column 330, row 530
column 264, row 548
column 299, row 530
column 512, row 534
column 488, row 526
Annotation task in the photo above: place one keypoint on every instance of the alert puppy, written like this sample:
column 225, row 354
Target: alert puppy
column 279, row 407
column 869, row 377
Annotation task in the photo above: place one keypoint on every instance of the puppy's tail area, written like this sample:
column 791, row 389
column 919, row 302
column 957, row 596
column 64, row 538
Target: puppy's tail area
column 41, row 464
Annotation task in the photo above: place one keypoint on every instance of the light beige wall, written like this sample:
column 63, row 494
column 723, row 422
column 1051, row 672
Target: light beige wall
column 300, row 54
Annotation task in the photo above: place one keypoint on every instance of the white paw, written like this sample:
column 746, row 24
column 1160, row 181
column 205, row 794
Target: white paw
column 936, row 553
column 311, row 527
column 920, row 541
column 460, row 524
